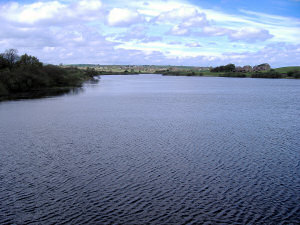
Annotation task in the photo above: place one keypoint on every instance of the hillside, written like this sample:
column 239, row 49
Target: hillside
column 287, row 69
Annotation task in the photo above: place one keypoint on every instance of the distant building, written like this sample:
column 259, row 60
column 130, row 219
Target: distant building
column 238, row 69
column 248, row 68
column 244, row 69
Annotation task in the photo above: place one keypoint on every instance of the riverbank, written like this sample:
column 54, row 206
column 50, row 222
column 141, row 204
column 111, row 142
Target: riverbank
column 292, row 73
column 48, row 81
column 26, row 77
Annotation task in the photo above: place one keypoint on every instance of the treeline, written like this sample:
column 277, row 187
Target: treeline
column 227, row 68
column 294, row 74
column 26, row 73
column 259, row 71
column 233, row 74
column 179, row 73
column 269, row 74
column 126, row 72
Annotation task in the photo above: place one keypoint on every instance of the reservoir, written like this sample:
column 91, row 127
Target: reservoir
column 152, row 149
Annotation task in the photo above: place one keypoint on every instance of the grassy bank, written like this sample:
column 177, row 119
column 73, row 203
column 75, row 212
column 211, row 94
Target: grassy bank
column 287, row 69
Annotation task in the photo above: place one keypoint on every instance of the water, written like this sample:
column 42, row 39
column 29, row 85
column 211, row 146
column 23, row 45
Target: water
column 150, row 149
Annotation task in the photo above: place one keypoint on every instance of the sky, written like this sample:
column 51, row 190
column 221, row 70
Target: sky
column 156, row 32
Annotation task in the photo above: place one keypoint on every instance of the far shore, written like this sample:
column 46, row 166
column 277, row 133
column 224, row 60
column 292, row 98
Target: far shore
column 260, row 71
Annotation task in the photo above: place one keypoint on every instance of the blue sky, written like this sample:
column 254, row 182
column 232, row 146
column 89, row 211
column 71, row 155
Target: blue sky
column 161, row 32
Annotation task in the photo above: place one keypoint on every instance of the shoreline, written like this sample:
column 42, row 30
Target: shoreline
column 57, row 91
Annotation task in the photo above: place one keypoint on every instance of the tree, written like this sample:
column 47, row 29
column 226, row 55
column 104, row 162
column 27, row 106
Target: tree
column 11, row 55
column 229, row 68
column 91, row 72
column 29, row 61
column 3, row 62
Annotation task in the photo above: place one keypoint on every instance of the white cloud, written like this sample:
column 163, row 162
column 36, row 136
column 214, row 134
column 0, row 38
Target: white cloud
column 250, row 35
column 282, row 27
column 193, row 45
column 215, row 31
column 200, row 26
column 178, row 30
column 51, row 11
column 161, row 31
column 177, row 14
column 189, row 21
column 197, row 21
column 137, row 34
column 89, row 5
column 32, row 12
column 123, row 17
column 156, row 7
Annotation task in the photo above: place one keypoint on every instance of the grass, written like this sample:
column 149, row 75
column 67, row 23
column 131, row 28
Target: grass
column 287, row 69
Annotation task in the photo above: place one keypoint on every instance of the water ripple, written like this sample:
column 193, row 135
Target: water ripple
column 154, row 150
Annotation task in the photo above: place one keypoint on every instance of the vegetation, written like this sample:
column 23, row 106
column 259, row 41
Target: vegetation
column 141, row 69
column 268, row 74
column 293, row 74
column 287, row 69
column 259, row 71
column 227, row 68
column 19, row 74
column 180, row 73
column 233, row 74
column 230, row 70
column 117, row 73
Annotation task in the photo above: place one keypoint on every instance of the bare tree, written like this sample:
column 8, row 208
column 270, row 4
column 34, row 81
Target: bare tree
column 11, row 55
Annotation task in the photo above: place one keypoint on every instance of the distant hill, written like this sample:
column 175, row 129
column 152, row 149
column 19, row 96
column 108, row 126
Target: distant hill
column 287, row 69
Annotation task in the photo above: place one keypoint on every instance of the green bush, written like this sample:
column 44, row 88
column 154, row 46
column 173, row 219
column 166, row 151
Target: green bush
column 28, row 73
column 269, row 74
column 294, row 74
column 233, row 74
column 227, row 68
column 3, row 90
column 91, row 72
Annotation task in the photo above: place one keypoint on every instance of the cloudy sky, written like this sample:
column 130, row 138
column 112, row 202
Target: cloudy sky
column 161, row 32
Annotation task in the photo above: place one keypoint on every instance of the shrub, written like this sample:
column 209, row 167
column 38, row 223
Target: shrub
column 91, row 72
column 295, row 74
column 28, row 73
column 3, row 90
column 233, row 74
column 269, row 74
column 227, row 68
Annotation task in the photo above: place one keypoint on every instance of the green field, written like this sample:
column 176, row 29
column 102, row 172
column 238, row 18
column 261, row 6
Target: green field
column 287, row 69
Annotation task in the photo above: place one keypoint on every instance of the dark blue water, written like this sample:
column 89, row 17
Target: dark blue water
column 150, row 149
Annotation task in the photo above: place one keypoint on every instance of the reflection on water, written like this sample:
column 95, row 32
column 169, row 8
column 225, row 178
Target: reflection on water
column 44, row 93
column 51, row 92
column 154, row 150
